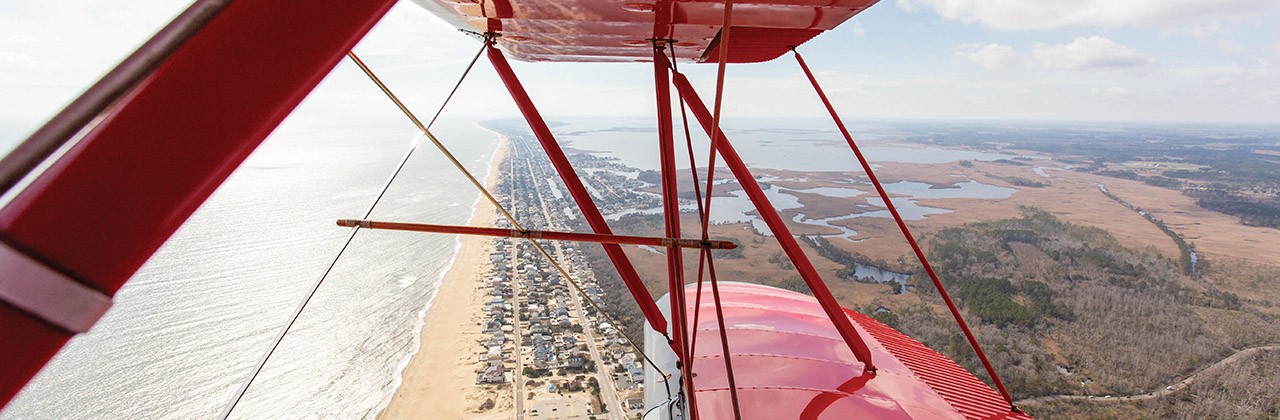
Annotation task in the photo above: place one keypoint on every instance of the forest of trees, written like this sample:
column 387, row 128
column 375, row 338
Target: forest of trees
column 1251, row 211
column 1059, row 308
column 1046, row 297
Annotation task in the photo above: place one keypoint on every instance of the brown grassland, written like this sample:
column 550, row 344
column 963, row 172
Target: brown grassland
column 1085, row 299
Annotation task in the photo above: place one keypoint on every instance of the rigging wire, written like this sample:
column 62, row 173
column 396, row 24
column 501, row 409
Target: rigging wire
column 678, row 297
column 716, row 138
column 697, row 194
column 457, row 85
column 315, row 287
column 705, row 265
column 715, row 117
column 933, row 276
column 297, row 311
column 501, row 209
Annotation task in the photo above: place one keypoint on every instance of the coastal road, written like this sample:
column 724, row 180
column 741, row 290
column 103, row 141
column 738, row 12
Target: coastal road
column 1175, row 387
column 608, row 391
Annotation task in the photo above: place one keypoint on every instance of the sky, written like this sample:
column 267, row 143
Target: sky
column 1212, row 61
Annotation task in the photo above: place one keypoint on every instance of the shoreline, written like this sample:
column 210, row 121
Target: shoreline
column 440, row 376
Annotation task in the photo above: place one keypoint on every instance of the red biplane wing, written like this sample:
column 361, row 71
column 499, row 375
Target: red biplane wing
column 83, row 227
column 789, row 362
column 613, row 30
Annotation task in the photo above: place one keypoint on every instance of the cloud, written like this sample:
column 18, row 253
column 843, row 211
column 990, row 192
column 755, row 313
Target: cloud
column 1230, row 47
column 1256, row 83
column 1173, row 15
column 991, row 56
column 1114, row 92
column 1092, row 53
column 858, row 29
column 20, row 61
column 1257, row 71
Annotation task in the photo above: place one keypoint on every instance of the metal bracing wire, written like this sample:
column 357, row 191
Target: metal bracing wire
column 902, row 225
column 297, row 312
column 426, row 133
column 705, row 210
column 501, row 209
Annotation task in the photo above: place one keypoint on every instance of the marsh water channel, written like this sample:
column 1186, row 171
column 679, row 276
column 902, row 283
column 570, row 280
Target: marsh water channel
column 791, row 146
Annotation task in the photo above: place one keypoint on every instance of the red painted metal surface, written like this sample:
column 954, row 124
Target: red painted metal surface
column 617, row 30
column 110, row 88
column 671, row 212
column 102, row 209
column 792, row 363
column 775, row 223
column 902, row 226
column 753, row 45
column 579, row 193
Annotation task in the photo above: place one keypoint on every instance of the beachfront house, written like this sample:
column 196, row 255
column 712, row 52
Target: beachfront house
column 494, row 325
column 494, row 374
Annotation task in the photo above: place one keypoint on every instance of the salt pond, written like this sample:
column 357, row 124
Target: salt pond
column 763, row 144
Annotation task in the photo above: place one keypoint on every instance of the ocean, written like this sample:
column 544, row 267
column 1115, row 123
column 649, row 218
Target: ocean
column 191, row 324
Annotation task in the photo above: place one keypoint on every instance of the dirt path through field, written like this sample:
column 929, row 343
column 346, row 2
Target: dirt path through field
column 1175, row 387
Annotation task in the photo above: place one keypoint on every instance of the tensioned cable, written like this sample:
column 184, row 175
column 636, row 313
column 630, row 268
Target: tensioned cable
column 715, row 116
column 902, row 225
column 705, row 259
column 297, row 312
column 705, row 265
column 678, row 297
column 489, row 196
column 315, row 287
column 458, row 85
column 697, row 195
column 716, row 138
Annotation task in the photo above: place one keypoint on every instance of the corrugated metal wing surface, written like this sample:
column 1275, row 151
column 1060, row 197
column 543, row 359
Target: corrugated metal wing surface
column 618, row 30
column 789, row 362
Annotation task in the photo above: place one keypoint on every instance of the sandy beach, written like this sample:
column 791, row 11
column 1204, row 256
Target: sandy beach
column 439, row 381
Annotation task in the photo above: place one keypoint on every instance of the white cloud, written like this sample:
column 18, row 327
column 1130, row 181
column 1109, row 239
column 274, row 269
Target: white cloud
column 1263, row 70
column 858, row 29
column 22, row 61
column 1092, row 53
column 1230, row 47
column 1173, row 15
column 1256, row 84
column 1114, row 92
column 991, row 56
